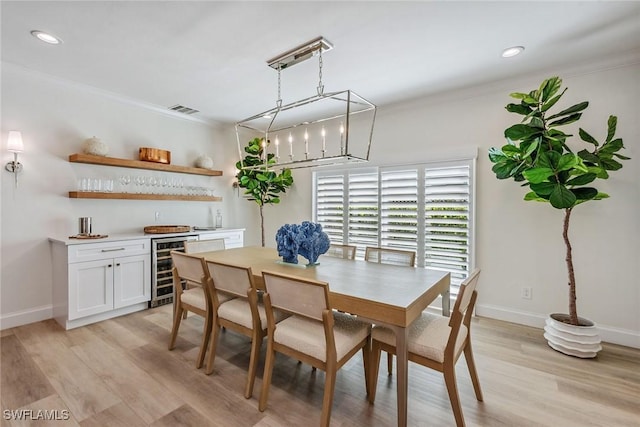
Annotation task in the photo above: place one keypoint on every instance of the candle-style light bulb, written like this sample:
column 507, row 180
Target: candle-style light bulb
column 277, row 148
column 290, row 145
column 324, row 143
column 306, row 144
column 341, row 138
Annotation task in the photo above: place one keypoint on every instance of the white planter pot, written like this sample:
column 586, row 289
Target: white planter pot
column 580, row 341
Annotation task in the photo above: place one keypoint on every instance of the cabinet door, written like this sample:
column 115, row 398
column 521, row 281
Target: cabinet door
column 232, row 239
column 132, row 280
column 90, row 288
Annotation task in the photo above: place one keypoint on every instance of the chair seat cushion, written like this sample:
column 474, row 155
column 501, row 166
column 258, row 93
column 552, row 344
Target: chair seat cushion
column 238, row 311
column 307, row 336
column 428, row 336
column 194, row 297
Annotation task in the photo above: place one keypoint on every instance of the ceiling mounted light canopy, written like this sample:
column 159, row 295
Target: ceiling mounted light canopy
column 324, row 129
column 512, row 51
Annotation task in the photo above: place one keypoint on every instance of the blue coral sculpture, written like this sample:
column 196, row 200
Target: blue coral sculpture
column 306, row 239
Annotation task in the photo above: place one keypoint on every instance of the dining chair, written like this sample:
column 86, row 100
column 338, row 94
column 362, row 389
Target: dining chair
column 195, row 246
column 436, row 342
column 392, row 257
column 197, row 299
column 314, row 333
column 240, row 312
column 341, row 251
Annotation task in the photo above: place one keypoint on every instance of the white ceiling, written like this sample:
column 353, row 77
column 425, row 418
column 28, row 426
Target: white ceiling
column 211, row 56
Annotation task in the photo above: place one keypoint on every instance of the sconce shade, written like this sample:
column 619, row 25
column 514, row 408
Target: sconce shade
column 14, row 142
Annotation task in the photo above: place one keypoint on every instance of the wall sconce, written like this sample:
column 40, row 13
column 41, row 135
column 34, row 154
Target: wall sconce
column 14, row 145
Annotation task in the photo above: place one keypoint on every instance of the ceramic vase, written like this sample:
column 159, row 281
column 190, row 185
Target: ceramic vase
column 580, row 341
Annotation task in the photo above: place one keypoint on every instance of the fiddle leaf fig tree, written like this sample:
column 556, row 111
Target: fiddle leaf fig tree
column 537, row 155
column 262, row 185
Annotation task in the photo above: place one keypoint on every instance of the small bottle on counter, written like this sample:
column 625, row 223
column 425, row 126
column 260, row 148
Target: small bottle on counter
column 218, row 219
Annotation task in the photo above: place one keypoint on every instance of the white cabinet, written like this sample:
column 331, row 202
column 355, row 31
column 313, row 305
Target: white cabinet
column 233, row 238
column 97, row 281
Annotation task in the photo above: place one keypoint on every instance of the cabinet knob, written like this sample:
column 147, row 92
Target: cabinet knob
column 109, row 265
column 118, row 265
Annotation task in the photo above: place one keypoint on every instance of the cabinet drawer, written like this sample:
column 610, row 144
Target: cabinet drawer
column 105, row 250
column 232, row 239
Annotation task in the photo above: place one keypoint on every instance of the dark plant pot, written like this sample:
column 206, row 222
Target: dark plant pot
column 581, row 341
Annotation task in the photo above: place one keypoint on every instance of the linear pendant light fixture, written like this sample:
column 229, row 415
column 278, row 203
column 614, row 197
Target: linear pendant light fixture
column 322, row 130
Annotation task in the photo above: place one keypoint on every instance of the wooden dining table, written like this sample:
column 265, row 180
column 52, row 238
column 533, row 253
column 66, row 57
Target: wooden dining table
column 393, row 296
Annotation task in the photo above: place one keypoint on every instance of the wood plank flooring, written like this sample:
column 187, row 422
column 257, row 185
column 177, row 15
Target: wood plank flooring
column 120, row 373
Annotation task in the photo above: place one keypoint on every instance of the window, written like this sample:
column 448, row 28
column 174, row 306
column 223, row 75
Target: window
column 425, row 208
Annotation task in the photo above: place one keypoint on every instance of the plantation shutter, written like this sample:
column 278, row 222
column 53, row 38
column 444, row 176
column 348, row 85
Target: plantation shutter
column 329, row 202
column 447, row 193
column 399, row 209
column 363, row 204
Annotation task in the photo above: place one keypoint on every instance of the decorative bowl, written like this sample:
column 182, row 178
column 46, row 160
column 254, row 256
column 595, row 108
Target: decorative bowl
column 155, row 155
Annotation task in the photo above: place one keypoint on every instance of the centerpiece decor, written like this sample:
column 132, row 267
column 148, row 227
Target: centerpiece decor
column 306, row 239
column 538, row 156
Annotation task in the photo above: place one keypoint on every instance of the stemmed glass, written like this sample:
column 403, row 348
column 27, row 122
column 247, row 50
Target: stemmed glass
column 125, row 180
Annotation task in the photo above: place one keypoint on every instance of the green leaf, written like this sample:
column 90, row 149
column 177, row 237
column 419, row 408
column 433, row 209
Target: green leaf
column 543, row 188
column 601, row 196
column 518, row 95
column 566, row 120
column 600, row 172
column 571, row 110
column 530, row 148
column 589, row 157
column 611, row 127
column 621, row 157
column 503, row 169
column 611, row 147
column 561, row 198
column 520, row 131
column 587, row 138
column 548, row 159
column 531, row 196
column 582, row 179
column 518, row 109
column 537, row 175
column 567, row 161
column 510, row 150
column 261, row 177
column 496, row 155
column 550, row 87
column 610, row 164
column 584, row 193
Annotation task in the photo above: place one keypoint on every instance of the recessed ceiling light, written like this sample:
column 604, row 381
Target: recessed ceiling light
column 46, row 37
column 512, row 51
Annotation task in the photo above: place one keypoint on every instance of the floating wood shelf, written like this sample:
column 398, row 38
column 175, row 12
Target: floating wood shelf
column 139, row 164
column 141, row 196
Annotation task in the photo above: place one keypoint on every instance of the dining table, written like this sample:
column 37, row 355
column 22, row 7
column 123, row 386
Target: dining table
column 383, row 294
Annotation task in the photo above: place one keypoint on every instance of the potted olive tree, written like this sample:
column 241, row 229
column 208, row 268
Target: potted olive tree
column 262, row 185
column 537, row 155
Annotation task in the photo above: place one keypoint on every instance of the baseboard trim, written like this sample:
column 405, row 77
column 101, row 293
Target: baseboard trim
column 608, row 334
column 24, row 317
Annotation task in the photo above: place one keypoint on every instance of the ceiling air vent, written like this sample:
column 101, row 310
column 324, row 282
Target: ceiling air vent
column 182, row 109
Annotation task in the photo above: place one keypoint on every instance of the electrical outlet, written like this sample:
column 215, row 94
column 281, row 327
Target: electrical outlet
column 527, row 292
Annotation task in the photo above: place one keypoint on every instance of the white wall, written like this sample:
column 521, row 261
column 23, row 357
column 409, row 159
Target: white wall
column 55, row 117
column 520, row 243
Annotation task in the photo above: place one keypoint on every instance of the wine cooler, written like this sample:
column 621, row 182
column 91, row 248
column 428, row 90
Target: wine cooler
column 162, row 267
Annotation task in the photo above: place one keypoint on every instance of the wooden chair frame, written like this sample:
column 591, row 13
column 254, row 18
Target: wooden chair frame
column 330, row 366
column 462, row 313
column 412, row 263
column 180, row 307
column 256, row 333
column 197, row 246
column 348, row 251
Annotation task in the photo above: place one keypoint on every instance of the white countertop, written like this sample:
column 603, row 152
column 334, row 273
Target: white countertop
column 65, row 240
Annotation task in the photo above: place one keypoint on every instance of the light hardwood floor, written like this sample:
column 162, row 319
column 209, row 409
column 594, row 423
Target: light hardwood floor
column 120, row 373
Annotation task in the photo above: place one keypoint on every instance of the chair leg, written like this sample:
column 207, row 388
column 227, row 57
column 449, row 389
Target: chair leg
column 256, row 343
column 374, row 369
column 327, row 400
column 177, row 318
column 184, row 315
column 213, row 344
column 266, row 377
column 206, row 335
column 452, row 388
column 390, row 363
column 468, row 355
column 366, row 361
